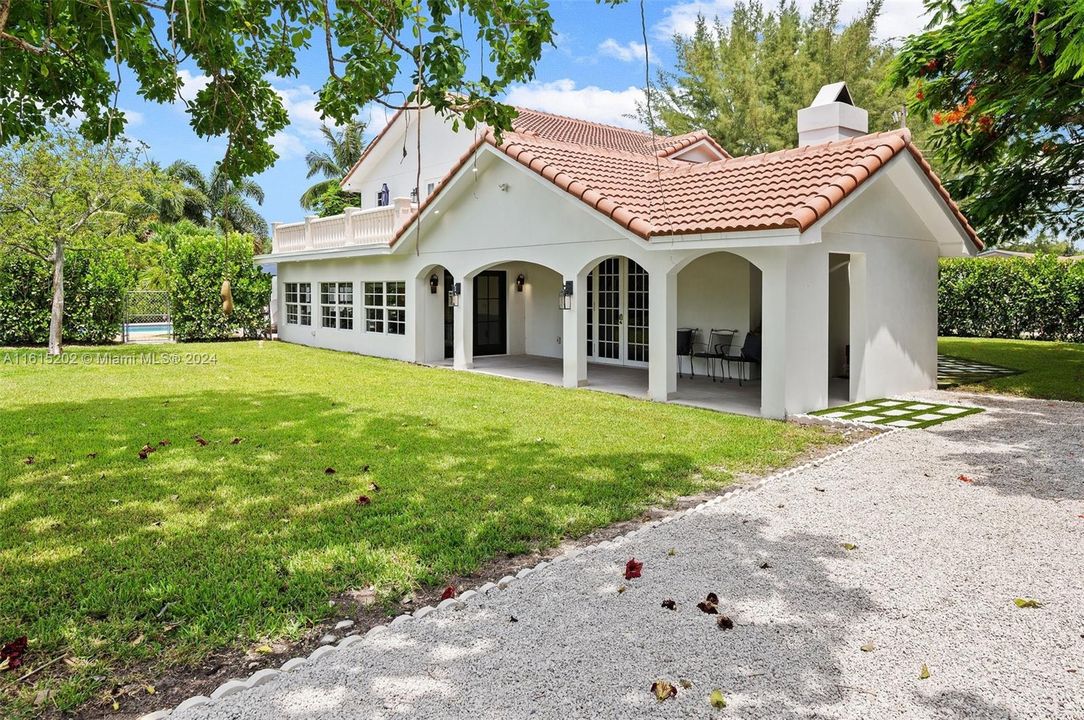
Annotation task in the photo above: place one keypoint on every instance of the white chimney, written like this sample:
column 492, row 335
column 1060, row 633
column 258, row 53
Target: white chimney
column 831, row 116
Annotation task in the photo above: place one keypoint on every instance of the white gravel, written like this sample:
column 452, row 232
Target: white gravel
column 931, row 582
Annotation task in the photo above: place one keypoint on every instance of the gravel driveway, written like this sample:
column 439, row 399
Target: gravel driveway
column 820, row 631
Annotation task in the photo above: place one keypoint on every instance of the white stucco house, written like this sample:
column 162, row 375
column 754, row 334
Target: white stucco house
column 572, row 252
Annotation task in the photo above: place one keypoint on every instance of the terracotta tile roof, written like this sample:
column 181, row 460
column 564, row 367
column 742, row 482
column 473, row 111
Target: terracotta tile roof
column 629, row 177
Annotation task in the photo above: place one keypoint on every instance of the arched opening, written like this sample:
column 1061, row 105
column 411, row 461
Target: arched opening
column 435, row 315
column 719, row 303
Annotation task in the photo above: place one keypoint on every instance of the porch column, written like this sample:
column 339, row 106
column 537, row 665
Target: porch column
column 662, row 334
column 463, row 330
column 573, row 335
column 773, row 361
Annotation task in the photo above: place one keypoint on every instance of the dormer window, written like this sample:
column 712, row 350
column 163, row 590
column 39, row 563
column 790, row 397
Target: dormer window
column 383, row 197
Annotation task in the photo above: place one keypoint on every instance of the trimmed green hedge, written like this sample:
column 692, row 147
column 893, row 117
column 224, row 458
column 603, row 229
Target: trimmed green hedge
column 197, row 262
column 1040, row 298
column 94, row 282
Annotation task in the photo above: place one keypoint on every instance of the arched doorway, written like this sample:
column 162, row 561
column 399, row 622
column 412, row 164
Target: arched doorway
column 436, row 315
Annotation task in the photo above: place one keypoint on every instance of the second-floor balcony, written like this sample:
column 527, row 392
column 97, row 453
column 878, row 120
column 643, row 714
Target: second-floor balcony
column 355, row 227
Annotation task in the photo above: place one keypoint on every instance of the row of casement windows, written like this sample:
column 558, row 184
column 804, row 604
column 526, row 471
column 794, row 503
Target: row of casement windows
column 384, row 306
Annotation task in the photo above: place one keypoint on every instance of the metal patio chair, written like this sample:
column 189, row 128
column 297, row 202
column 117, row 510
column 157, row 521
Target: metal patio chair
column 686, row 337
column 715, row 349
column 749, row 354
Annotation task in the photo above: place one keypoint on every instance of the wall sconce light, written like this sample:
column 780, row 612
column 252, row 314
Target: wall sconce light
column 520, row 280
column 453, row 295
column 434, row 281
column 564, row 300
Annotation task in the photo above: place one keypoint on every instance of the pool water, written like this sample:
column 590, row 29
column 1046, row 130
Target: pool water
column 149, row 328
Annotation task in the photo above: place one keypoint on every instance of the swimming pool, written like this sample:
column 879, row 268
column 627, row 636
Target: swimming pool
column 149, row 328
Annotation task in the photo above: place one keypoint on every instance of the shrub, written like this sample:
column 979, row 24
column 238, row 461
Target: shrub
column 1040, row 298
column 93, row 284
column 197, row 261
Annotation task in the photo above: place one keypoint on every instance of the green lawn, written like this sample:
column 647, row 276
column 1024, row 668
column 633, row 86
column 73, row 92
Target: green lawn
column 1048, row 369
column 116, row 559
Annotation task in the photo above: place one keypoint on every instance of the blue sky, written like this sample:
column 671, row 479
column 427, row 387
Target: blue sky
column 595, row 71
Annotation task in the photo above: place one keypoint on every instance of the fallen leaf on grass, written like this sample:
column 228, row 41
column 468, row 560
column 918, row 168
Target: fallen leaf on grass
column 11, row 655
column 633, row 568
column 663, row 690
column 923, row 672
column 373, row 487
column 91, row 456
column 235, row 441
column 199, row 440
column 725, row 623
column 329, row 471
column 716, row 699
column 29, row 460
column 868, row 647
column 1027, row 603
column 363, row 500
column 163, row 443
column 43, row 697
column 449, row 592
column 849, row 546
column 669, row 604
column 709, row 604
column 365, row 468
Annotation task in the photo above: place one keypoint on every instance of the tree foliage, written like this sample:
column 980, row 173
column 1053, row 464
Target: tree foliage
column 218, row 201
column 344, row 147
column 1003, row 82
column 744, row 81
column 62, row 58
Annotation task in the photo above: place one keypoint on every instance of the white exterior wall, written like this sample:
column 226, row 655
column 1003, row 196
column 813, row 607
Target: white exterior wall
column 714, row 292
column 441, row 148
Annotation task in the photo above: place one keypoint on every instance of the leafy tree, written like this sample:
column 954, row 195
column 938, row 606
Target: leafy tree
column 60, row 193
column 216, row 199
column 63, row 57
column 1002, row 81
column 344, row 147
column 744, row 81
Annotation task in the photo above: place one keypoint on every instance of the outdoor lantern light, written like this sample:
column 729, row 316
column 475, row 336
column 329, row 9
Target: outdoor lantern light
column 520, row 280
column 434, row 281
column 565, row 298
column 453, row 295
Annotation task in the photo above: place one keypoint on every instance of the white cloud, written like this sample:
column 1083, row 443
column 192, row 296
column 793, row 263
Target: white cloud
column 288, row 145
column 899, row 18
column 629, row 52
column 190, row 85
column 588, row 103
column 132, row 118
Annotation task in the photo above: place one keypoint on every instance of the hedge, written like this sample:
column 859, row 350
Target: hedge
column 197, row 262
column 1040, row 298
column 93, row 282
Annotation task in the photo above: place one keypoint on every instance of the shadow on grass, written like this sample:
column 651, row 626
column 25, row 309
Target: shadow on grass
column 117, row 558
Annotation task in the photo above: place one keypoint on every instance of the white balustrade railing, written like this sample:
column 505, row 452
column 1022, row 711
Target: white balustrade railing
column 354, row 227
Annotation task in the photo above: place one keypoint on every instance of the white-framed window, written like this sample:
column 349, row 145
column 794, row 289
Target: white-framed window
column 337, row 305
column 430, row 187
column 299, row 303
column 385, row 307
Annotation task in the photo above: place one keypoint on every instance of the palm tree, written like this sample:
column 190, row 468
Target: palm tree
column 214, row 199
column 343, row 150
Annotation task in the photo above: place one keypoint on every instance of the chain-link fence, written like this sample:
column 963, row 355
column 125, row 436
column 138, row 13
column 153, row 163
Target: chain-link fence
column 147, row 316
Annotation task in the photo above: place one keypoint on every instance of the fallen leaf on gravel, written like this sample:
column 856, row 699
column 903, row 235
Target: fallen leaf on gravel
column 1027, row 603
column 663, row 690
column 966, row 479
column 923, row 672
column 716, row 699
column 672, row 552
column 685, row 683
column 199, row 439
column 513, row 618
column 868, row 647
column 765, row 565
column 725, row 623
column 149, row 689
column 116, row 705
column 265, row 649
column 709, row 604
column 850, row 546
column 363, row 500
column 11, row 655
column 329, row 471
column 669, row 604
column 449, row 592
column 621, row 589
column 819, row 489
column 633, row 568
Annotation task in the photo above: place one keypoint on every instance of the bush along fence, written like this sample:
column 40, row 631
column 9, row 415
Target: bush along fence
column 197, row 264
column 93, row 280
column 1040, row 298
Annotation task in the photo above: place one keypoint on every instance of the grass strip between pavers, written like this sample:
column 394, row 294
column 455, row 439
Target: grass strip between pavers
column 891, row 412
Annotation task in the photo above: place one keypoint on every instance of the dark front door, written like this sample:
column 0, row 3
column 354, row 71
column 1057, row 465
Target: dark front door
column 490, row 313
column 449, row 318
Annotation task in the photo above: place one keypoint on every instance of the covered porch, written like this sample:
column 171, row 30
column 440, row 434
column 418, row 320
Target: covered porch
column 722, row 396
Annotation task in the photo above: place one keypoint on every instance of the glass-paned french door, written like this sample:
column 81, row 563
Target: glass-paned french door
column 617, row 302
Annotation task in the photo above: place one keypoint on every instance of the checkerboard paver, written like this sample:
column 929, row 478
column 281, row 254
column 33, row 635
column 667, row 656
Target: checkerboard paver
column 957, row 371
column 898, row 413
